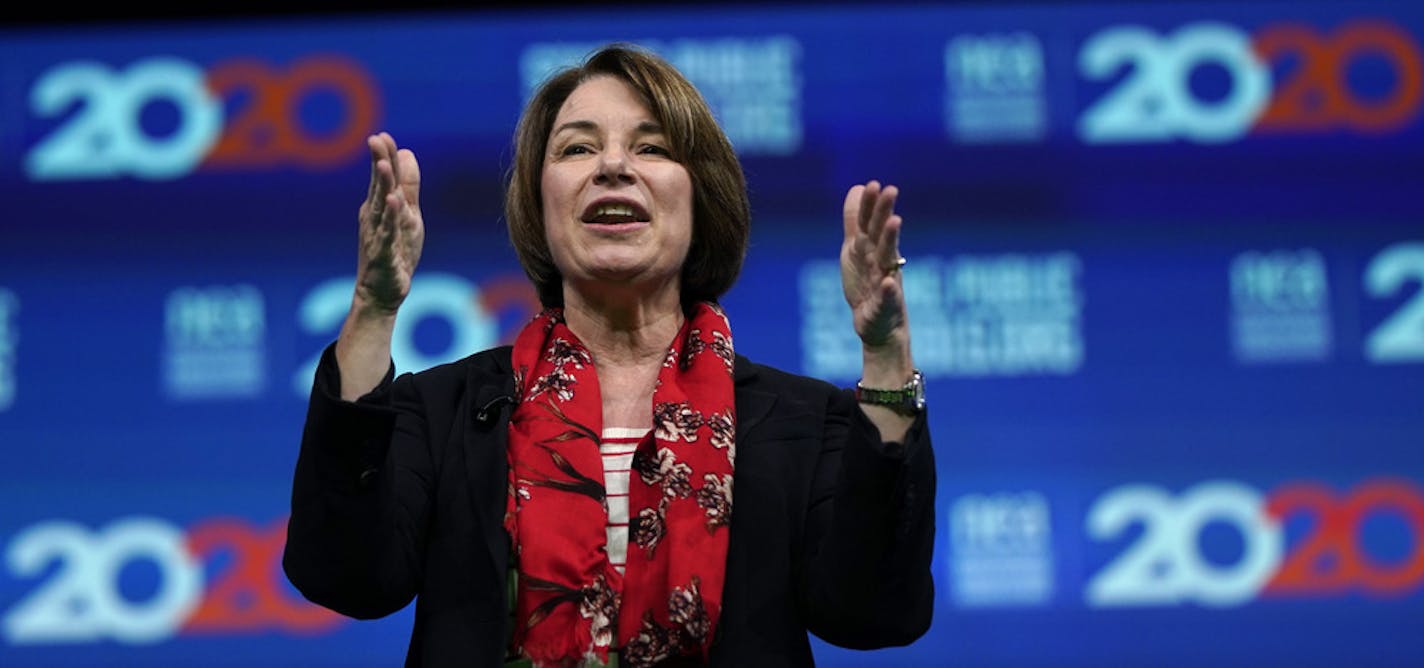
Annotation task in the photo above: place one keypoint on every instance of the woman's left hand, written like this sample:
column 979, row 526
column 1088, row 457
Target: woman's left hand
column 870, row 269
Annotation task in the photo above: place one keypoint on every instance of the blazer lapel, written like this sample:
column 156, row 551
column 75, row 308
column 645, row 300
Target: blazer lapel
column 486, row 463
column 753, row 405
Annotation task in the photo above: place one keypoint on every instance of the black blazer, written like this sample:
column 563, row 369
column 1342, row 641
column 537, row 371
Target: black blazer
column 401, row 495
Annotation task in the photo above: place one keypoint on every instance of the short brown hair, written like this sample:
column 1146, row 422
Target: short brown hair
column 721, row 218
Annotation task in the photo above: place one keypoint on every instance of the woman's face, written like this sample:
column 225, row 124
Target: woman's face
column 617, row 207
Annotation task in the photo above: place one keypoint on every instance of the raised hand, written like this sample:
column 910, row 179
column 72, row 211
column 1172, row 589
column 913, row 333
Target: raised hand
column 392, row 236
column 392, row 230
column 871, row 277
column 870, row 266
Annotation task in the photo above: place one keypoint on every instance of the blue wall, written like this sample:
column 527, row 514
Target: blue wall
column 1165, row 279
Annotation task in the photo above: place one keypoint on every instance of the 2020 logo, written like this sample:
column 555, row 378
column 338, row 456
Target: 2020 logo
column 1400, row 337
column 239, row 114
column 81, row 600
column 1165, row 563
column 476, row 316
column 1155, row 102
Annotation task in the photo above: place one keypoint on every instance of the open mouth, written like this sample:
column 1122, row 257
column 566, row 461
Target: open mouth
column 615, row 213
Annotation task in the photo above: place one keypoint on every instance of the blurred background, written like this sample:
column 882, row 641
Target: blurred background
column 1165, row 282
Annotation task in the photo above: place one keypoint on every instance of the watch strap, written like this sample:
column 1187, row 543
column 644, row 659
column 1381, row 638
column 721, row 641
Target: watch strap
column 908, row 399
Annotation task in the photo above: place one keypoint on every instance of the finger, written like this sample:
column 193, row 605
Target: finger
column 890, row 292
column 404, row 221
column 381, row 190
column 391, row 215
column 888, row 248
column 892, row 300
column 850, row 211
column 867, row 204
column 391, row 151
column 884, row 208
column 409, row 173
column 381, row 151
column 374, row 145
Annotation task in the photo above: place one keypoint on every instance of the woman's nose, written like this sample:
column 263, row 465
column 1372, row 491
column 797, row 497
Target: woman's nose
column 613, row 166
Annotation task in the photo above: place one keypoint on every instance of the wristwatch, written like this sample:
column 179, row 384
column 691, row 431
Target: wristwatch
column 907, row 400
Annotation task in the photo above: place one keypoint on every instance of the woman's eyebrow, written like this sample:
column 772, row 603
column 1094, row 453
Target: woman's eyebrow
column 576, row 125
column 643, row 128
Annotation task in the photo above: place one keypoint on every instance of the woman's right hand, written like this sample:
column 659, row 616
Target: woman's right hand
column 392, row 230
column 392, row 235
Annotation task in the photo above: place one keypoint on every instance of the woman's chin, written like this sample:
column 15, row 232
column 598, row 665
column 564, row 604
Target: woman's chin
column 623, row 276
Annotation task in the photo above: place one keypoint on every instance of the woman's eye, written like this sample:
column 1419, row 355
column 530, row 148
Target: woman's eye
column 574, row 149
column 652, row 149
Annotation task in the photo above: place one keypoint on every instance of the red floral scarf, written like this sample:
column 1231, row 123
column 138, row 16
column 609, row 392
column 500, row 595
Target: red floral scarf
column 571, row 603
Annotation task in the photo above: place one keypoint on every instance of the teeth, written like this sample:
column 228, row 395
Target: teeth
column 615, row 210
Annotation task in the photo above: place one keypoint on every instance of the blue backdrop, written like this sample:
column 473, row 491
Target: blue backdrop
column 1165, row 278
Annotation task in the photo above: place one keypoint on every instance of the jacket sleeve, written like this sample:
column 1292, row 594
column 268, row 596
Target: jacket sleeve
column 360, row 496
column 870, row 532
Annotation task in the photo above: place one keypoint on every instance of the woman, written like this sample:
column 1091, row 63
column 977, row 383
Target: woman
column 568, row 499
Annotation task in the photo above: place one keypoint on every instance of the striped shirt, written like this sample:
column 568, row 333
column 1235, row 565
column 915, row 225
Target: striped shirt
column 619, row 444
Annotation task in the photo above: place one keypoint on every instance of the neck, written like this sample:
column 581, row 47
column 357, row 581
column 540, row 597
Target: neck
column 621, row 329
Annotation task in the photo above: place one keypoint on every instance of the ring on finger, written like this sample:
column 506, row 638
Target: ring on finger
column 899, row 262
